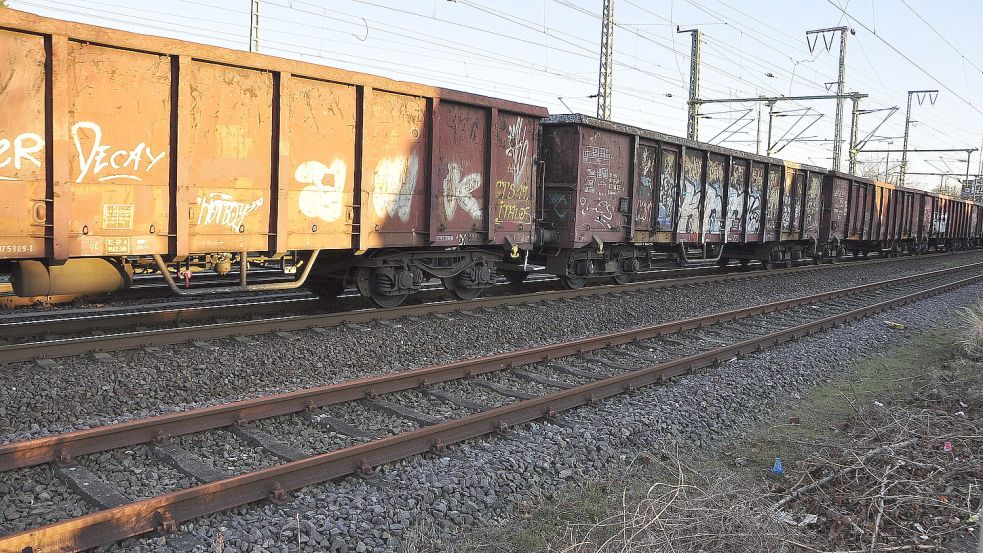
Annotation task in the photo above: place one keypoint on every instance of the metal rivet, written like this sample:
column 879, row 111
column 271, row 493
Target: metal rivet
column 242, row 228
column 85, row 230
column 313, row 228
column 153, row 229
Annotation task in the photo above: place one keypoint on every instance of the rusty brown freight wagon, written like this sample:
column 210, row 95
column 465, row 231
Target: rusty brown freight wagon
column 121, row 150
column 619, row 199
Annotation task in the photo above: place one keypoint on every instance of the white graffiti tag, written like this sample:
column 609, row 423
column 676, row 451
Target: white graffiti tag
column 217, row 208
column 458, row 190
column 518, row 150
column 322, row 199
column 98, row 157
column 395, row 181
column 24, row 147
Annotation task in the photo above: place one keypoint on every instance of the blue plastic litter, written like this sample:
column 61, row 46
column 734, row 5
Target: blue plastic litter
column 778, row 469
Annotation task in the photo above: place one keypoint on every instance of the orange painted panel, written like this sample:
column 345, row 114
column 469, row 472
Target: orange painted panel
column 23, row 210
column 231, row 120
column 318, row 167
column 394, row 196
column 119, row 163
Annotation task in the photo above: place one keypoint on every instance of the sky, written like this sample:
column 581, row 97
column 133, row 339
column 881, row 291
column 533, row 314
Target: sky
column 546, row 52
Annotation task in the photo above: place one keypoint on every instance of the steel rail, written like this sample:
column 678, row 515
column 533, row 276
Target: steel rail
column 93, row 440
column 163, row 513
column 65, row 347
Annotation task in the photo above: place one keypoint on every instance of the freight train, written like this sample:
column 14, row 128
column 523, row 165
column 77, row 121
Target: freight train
column 122, row 153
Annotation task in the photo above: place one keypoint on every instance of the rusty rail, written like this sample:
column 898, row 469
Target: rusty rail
column 160, row 513
column 65, row 347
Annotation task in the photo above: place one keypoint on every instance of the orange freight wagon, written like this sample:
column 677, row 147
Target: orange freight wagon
column 121, row 150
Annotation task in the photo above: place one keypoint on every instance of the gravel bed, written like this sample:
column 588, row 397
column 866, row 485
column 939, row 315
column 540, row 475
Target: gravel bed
column 31, row 497
column 428, row 405
column 83, row 392
column 600, row 368
column 224, row 451
column 478, row 394
column 550, row 372
column 135, row 472
column 300, row 432
column 370, row 420
column 486, row 479
column 513, row 382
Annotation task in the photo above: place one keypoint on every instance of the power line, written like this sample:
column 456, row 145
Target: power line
column 908, row 59
column 940, row 35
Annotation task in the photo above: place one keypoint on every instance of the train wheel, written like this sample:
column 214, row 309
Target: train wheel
column 363, row 281
column 768, row 265
column 622, row 278
column 572, row 283
column 458, row 291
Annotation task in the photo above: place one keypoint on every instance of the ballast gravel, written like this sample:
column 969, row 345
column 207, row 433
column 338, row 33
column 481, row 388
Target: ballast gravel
column 135, row 472
column 226, row 452
column 299, row 432
column 488, row 478
column 81, row 392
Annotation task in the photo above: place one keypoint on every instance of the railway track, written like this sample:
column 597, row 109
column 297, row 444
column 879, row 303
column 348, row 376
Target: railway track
column 63, row 336
column 440, row 405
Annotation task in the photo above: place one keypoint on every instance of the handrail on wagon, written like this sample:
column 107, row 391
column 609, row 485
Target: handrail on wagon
column 243, row 286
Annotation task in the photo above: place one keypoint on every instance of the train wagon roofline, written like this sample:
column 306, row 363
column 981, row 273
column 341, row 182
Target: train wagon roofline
column 21, row 21
column 581, row 119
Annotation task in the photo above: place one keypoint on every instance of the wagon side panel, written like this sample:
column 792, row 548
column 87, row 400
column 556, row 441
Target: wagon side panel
column 514, row 176
column 25, row 202
column 317, row 164
column 230, row 159
column 603, row 208
column 737, row 199
column 394, row 170
column 713, row 199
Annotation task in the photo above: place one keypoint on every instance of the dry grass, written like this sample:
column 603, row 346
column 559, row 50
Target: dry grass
column 971, row 333
column 686, row 510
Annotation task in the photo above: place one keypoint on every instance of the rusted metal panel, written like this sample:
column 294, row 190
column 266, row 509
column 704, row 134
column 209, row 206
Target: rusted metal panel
column 667, row 216
column 514, row 193
column 737, row 197
column 885, row 222
column 24, row 205
column 974, row 221
column 754, row 215
column 317, row 168
column 925, row 216
column 691, row 196
column 646, row 184
column 788, row 200
column 120, row 116
column 395, row 157
column 773, row 203
column 799, row 186
column 840, row 208
column 231, row 141
column 910, row 225
column 813, row 206
column 458, row 205
column 713, row 199
column 868, row 211
column 603, row 187
column 793, row 189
